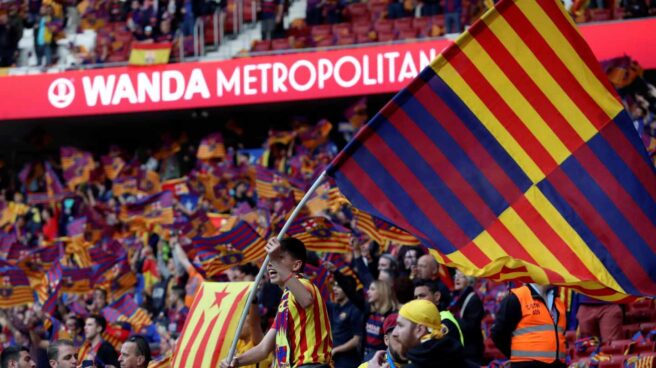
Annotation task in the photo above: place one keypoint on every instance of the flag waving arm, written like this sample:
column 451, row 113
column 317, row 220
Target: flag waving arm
column 260, row 274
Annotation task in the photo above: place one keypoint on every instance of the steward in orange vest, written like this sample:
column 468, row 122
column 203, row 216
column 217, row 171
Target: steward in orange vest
column 530, row 327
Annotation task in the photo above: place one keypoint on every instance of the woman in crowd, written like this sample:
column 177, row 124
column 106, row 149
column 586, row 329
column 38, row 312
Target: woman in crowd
column 381, row 302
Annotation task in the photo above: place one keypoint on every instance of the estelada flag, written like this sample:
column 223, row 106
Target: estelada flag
column 211, row 147
column 511, row 157
column 150, row 53
column 211, row 325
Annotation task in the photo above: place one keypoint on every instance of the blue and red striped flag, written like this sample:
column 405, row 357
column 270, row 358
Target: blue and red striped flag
column 382, row 231
column 77, row 280
column 76, row 166
column 511, row 157
column 15, row 288
column 154, row 209
column 242, row 244
column 319, row 234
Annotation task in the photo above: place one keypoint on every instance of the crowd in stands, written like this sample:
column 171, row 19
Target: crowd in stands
column 102, row 253
column 338, row 22
column 102, row 31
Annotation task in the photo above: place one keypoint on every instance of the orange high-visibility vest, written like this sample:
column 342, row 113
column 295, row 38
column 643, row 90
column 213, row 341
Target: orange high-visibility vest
column 537, row 337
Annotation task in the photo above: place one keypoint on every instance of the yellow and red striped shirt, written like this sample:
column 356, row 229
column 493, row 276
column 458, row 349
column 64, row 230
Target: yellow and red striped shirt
column 302, row 334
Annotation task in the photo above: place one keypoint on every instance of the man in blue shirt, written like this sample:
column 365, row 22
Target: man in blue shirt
column 347, row 323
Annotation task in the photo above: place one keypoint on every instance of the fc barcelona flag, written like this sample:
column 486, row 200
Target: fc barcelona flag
column 319, row 234
column 112, row 165
column 382, row 231
column 15, row 288
column 211, row 147
column 154, row 209
column 511, row 157
column 211, row 325
column 76, row 166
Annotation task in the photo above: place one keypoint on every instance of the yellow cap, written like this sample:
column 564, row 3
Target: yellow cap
column 425, row 313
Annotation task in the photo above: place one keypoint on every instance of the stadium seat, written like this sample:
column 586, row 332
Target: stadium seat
column 421, row 25
column 345, row 40
column 403, row 24
column 616, row 361
column 361, row 28
column 357, row 11
column 365, row 38
column 598, row 15
column 617, row 347
column 644, row 347
column 407, row 34
column 261, row 45
column 321, row 30
column 386, row 36
column 341, row 29
column 618, row 13
column 384, row 25
column 647, row 326
column 438, row 20
column 639, row 315
column 280, row 44
column 325, row 42
column 630, row 330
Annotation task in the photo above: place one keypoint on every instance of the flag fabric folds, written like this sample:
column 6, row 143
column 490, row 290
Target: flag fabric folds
column 150, row 53
column 242, row 244
column 382, row 231
column 112, row 165
column 154, row 209
column 211, row 147
column 15, row 288
column 211, row 325
column 319, row 234
column 76, row 166
column 511, row 157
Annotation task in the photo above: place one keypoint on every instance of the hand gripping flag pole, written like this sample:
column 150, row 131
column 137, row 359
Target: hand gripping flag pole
column 260, row 274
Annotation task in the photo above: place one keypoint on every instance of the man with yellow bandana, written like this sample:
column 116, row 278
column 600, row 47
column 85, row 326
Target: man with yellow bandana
column 423, row 342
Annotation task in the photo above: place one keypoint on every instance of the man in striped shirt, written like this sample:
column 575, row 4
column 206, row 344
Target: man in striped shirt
column 300, row 336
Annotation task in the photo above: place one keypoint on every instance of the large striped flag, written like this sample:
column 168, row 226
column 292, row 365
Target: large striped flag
column 511, row 157
column 15, row 288
column 211, row 325
column 382, row 231
column 319, row 234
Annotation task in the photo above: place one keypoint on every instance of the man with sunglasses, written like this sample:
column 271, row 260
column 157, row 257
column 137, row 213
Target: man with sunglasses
column 135, row 353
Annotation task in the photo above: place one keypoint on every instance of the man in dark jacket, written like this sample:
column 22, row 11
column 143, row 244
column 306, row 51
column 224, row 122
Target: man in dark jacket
column 419, row 330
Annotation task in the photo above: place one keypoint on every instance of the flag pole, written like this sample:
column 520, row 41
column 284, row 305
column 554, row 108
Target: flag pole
column 260, row 274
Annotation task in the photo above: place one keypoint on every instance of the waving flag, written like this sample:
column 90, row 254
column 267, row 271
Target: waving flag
column 211, row 325
column 211, row 147
column 125, row 185
column 178, row 187
column 77, row 280
column 240, row 245
column 54, row 188
column 76, row 165
column 511, row 157
column 112, row 165
column 130, row 310
column 154, row 209
column 271, row 184
column 149, row 182
column 15, row 288
column 319, row 234
column 382, row 231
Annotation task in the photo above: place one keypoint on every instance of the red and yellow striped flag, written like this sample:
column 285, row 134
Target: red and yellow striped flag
column 211, row 325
